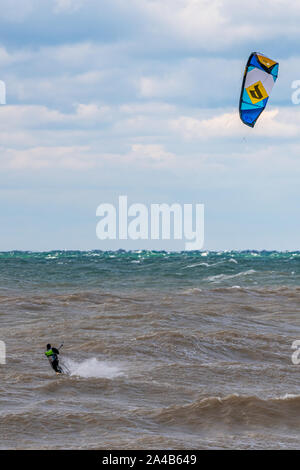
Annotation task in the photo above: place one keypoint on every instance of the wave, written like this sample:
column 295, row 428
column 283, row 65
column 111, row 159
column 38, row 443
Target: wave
column 224, row 277
column 234, row 411
column 90, row 368
column 212, row 265
column 192, row 290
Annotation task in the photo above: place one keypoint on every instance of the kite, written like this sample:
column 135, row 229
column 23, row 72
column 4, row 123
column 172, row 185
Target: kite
column 259, row 78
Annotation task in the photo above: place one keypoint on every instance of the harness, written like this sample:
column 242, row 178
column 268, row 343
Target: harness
column 51, row 355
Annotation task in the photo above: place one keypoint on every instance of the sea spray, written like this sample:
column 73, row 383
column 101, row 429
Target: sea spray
column 90, row 368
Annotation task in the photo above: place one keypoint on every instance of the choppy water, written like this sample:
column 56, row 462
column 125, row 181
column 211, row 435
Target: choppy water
column 165, row 350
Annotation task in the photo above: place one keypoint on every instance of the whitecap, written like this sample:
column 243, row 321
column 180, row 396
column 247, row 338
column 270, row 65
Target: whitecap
column 90, row 368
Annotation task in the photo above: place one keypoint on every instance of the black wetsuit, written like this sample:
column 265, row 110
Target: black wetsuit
column 55, row 360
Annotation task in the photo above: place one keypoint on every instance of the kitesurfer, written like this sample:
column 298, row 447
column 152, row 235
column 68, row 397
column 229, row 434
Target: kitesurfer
column 52, row 354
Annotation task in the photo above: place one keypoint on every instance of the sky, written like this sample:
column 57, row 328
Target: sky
column 140, row 98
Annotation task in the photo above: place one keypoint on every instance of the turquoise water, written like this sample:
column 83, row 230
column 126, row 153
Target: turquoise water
column 144, row 269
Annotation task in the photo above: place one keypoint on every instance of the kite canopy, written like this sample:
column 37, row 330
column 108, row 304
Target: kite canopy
column 259, row 78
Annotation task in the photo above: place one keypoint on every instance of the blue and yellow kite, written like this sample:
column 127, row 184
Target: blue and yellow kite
column 259, row 78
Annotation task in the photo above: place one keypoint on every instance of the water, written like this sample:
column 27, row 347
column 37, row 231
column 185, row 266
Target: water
column 164, row 350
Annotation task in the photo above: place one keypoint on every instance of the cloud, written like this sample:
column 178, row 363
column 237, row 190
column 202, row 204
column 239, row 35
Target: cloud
column 67, row 5
column 142, row 96
column 154, row 26
column 80, row 158
column 142, row 135
column 35, row 116
column 227, row 125
column 15, row 11
column 218, row 25
column 38, row 158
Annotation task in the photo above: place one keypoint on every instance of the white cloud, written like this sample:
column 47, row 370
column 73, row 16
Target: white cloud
column 270, row 124
column 83, row 158
column 67, row 5
column 158, row 135
column 14, row 57
column 152, row 107
column 38, row 158
column 151, row 154
column 160, row 87
column 206, row 25
column 213, row 25
column 13, row 117
column 15, row 11
column 216, row 24
column 191, row 20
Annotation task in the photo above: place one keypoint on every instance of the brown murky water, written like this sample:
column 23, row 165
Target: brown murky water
column 161, row 351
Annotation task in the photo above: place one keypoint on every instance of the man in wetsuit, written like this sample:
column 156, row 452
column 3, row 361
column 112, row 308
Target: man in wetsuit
column 52, row 354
